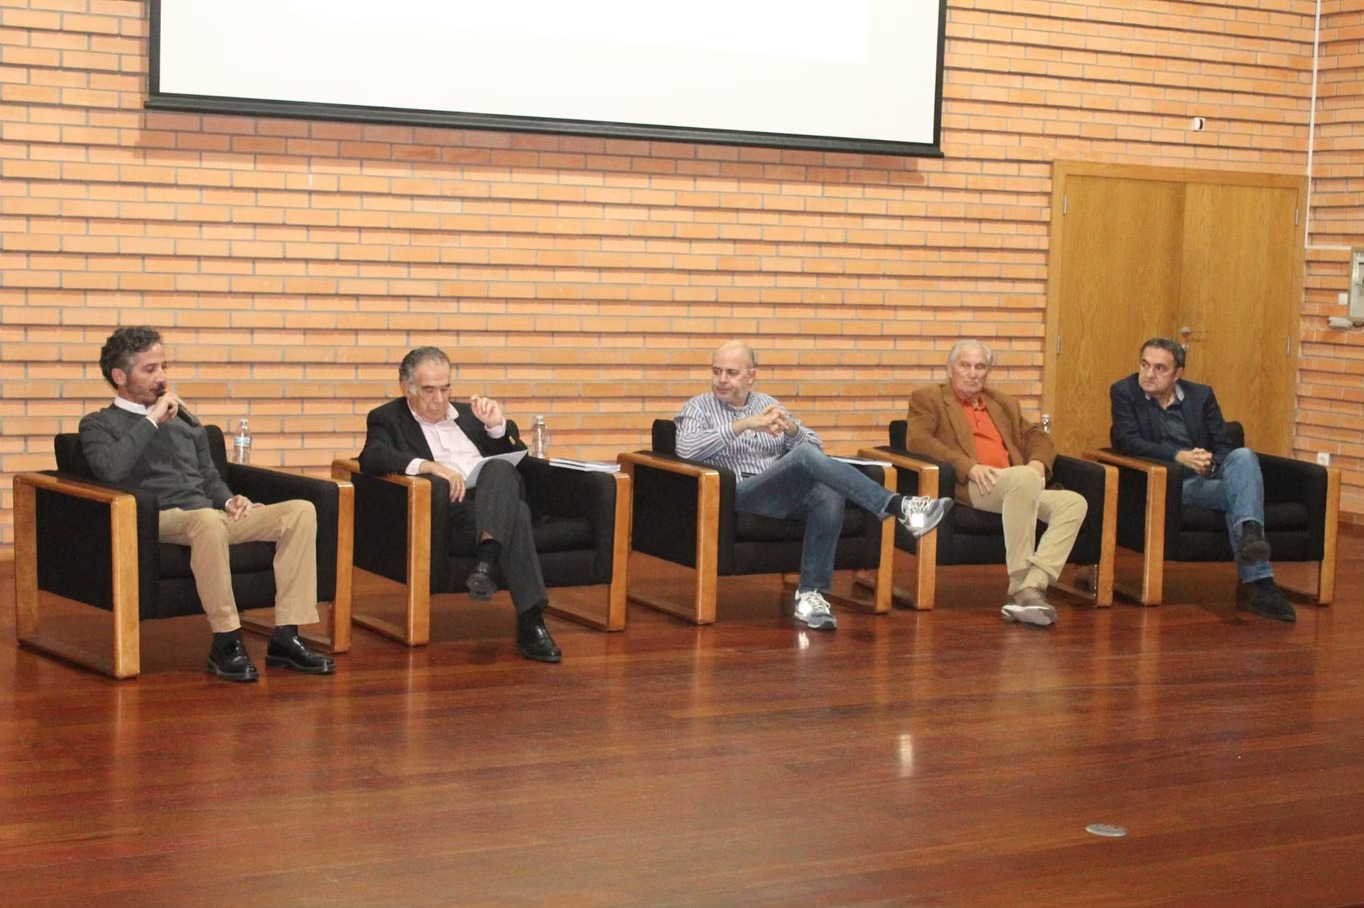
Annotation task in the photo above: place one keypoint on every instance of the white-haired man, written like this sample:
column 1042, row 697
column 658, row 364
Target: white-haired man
column 1002, row 462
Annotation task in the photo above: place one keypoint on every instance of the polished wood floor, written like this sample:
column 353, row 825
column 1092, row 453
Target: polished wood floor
column 924, row 759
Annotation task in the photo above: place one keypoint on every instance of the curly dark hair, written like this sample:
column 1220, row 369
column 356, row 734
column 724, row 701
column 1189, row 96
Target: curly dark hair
column 121, row 349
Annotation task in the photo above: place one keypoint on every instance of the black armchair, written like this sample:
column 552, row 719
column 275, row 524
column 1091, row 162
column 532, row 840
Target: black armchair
column 1302, row 514
column 96, row 543
column 684, row 513
column 968, row 535
column 581, row 529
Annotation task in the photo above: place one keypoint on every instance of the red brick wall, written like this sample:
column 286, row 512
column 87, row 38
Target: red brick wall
column 1331, row 390
column 290, row 264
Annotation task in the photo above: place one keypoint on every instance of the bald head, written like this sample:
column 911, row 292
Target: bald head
column 733, row 369
column 741, row 347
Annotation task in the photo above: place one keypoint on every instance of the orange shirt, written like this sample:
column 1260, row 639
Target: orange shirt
column 990, row 448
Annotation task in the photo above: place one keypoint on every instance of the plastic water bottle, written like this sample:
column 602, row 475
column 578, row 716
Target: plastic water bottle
column 539, row 439
column 241, row 443
column 1046, row 423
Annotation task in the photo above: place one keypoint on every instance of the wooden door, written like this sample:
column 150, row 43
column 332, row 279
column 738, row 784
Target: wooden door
column 1238, row 305
column 1117, row 280
column 1211, row 259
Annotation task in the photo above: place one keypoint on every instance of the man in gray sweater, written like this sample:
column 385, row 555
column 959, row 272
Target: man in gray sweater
column 148, row 441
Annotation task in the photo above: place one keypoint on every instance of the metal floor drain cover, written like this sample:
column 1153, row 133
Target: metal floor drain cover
column 1105, row 829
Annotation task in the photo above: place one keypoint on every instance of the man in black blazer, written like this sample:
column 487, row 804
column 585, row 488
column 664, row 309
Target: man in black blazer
column 1157, row 414
column 425, row 432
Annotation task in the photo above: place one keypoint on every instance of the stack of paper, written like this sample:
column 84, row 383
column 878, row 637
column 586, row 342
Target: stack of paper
column 598, row 466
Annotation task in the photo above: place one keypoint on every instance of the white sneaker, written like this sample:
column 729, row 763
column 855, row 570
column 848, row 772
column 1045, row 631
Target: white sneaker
column 1029, row 606
column 813, row 610
column 920, row 515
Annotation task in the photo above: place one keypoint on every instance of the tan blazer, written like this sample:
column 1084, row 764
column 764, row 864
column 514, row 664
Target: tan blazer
column 939, row 428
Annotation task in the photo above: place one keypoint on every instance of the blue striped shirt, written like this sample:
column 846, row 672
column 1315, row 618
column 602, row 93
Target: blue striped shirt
column 705, row 433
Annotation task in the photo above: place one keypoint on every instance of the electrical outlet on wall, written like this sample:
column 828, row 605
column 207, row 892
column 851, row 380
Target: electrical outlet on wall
column 1323, row 458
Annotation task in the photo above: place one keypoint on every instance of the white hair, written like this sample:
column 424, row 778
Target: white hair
column 965, row 343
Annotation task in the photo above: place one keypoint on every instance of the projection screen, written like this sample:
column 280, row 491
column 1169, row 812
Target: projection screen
column 855, row 75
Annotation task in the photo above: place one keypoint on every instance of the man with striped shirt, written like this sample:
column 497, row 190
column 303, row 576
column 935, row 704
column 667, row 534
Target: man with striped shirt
column 784, row 473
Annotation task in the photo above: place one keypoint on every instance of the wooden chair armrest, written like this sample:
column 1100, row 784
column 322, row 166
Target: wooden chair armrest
column 667, row 464
column 1124, row 460
column 343, row 468
column 73, row 487
column 927, row 472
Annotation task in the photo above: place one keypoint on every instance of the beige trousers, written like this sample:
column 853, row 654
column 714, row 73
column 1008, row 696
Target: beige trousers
column 292, row 525
column 1020, row 499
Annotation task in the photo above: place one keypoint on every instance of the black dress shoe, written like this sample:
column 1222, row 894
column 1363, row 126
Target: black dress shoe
column 481, row 583
column 1254, row 547
column 533, row 640
column 231, row 662
column 292, row 653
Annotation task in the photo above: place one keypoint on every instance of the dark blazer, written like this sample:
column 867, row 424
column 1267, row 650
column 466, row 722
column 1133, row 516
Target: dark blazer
column 938, row 427
column 393, row 437
column 1137, row 428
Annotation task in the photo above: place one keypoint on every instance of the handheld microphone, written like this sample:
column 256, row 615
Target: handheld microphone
column 188, row 417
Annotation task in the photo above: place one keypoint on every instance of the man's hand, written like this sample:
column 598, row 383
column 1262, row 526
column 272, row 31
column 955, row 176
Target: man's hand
column 984, row 477
column 1198, row 460
column 774, row 421
column 450, row 475
column 488, row 411
column 165, row 408
column 238, row 506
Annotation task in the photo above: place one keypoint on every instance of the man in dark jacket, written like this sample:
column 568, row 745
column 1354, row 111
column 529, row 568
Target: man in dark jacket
column 147, row 440
column 1158, row 414
column 425, row 432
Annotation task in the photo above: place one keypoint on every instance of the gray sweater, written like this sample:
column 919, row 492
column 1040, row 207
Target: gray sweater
column 171, row 460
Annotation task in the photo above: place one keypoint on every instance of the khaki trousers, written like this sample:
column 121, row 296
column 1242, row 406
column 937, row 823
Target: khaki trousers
column 208, row 532
column 1020, row 499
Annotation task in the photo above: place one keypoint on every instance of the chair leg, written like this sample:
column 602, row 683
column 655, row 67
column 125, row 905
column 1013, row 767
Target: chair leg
column 124, row 659
column 1325, row 591
column 416, row 627
column 1326, row 571
column 1152, row 589
column 705, row 581
column 701, row 607
column 617, row 591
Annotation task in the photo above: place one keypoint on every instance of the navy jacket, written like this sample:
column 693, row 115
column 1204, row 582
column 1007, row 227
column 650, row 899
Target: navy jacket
column 393, row 437
column 1137, row 428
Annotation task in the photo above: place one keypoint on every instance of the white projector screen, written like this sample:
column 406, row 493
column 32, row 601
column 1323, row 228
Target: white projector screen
column 857, row 75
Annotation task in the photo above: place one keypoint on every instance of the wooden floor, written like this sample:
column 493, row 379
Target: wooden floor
column 926, row 759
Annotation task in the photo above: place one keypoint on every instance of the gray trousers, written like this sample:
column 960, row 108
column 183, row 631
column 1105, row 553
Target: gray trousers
column 497, row 506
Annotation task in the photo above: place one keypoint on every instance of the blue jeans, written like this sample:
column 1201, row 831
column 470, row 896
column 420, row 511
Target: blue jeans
column 806, row 484
column 1239, row 490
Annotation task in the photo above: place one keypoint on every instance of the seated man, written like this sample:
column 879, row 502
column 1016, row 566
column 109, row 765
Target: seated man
column 425, row 432
column 784, row 473
column 1158, row 414
column 1002, row 463
column 148, row 441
